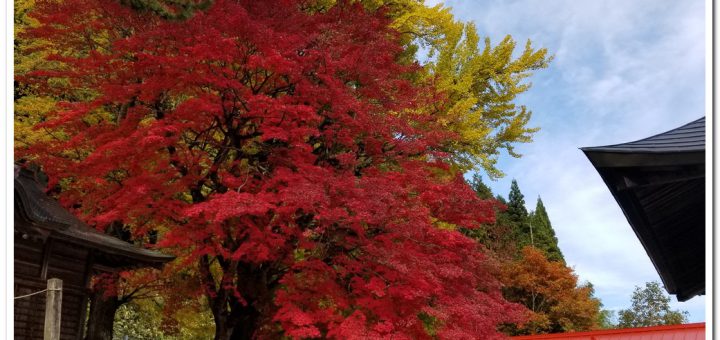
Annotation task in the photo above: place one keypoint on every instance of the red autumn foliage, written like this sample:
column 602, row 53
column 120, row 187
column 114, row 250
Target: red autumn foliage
column 274, row 150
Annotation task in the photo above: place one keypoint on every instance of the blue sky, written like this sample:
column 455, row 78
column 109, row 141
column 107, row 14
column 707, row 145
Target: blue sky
column 623, row 70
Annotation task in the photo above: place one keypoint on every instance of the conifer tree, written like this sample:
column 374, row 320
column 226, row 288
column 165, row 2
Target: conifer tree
column 516, row 203
column 544, row 234
column 499, row 235
column 518, row 217
column 482, row 190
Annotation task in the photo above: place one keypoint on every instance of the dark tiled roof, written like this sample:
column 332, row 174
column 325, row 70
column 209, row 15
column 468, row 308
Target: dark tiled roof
column 47, row 213
column 687, row 138
column 659, row 183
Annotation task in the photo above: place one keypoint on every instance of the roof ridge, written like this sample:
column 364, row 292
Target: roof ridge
column 682, row 135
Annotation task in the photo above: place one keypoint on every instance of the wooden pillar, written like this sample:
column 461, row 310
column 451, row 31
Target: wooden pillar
column 53, row 309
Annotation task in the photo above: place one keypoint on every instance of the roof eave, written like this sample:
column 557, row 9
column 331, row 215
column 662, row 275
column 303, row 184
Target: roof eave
column 603, row 158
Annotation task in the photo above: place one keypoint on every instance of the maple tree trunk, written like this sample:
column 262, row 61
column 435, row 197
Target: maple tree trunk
column 235, row 320
column 102, row 316
column 222, row 327
column 240, row 324
column 246, row 323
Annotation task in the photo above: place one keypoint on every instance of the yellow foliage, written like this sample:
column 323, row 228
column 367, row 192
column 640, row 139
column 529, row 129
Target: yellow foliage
column 29, row 111
column 480, row 83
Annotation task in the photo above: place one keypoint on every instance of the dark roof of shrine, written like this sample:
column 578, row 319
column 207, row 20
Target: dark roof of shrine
column 48, row 217
column 659, row 183
column 687, row 138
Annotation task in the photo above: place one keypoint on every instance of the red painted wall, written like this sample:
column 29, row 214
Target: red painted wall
column 691, row 331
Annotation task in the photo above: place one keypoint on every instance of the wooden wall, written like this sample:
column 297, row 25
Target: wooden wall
column 35, row 262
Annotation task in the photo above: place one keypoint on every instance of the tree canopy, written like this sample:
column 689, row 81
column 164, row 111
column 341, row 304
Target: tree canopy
column 302, row 161
column 544, row 234
column 550, row 290
column 479, row 81
column 650, row 307
column 294, row 166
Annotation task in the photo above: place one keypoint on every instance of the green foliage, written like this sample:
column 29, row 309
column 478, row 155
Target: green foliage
column 430, row 324
column 530, row 229
column 495, row 236
column 482, row 190
column 144, row 319
column 516, row 204
column 544, row 234
column 650, row 307
column 133, row 322
column 518, row 217
column 606, row 318
column 514, row 227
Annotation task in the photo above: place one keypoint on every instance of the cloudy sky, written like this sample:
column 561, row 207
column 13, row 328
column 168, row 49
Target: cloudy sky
column 623, row 70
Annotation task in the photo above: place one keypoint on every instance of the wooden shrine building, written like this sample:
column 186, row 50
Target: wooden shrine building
column 49, row 243
column 659, row 183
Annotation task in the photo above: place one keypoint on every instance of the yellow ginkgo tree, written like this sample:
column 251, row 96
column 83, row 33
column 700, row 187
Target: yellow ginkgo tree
column 479, row 81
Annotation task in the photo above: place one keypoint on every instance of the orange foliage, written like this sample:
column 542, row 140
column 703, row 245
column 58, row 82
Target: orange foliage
column 550, row 291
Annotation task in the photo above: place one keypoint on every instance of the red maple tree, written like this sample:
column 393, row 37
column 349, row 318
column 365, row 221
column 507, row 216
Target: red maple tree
column 280, row 153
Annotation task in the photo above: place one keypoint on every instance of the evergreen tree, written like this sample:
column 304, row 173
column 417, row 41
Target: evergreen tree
column 518, row 217
column 516, row 203
column 482, row 190
column 498, row 236
column 544, row 234
column 501, row 199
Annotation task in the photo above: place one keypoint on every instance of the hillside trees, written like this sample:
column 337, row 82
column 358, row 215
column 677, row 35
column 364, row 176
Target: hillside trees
column 269, row 156
column 531, row 228
column 532, row 274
